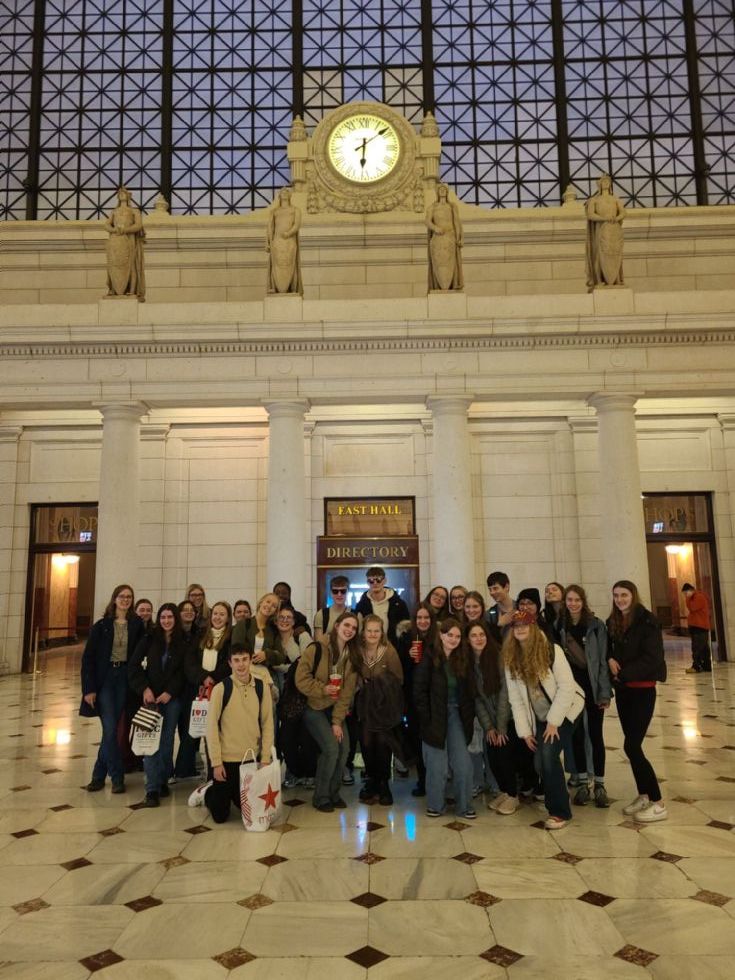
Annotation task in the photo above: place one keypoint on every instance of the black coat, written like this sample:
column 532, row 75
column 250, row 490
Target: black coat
column 195, row 673
column 640, row 650
column 430, row 694
column 98, row 650
column 159, row 679
column 397, row 611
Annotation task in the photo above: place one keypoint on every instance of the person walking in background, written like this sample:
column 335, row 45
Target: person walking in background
column 636, row 660
column 700, row 624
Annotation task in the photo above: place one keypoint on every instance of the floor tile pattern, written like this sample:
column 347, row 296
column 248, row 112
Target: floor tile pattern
column 95, row 885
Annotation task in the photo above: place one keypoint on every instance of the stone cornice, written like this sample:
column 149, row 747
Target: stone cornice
column 366, row 345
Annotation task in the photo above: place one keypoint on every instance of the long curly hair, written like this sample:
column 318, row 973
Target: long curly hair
column 531, row 663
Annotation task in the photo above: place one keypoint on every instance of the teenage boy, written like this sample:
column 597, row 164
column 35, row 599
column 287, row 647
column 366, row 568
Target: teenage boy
column 500, row 615
column 384, row 602
column 325, row 618
column 699, row 628
column 240, row 719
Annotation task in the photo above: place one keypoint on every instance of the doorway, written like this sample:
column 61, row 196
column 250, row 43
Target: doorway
column 60, row 584
column 681, row 548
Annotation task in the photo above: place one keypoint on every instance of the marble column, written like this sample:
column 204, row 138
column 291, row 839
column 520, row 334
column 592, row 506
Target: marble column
column 287, row 559
column 622, row 528
column 453, row 551
column 119, row 496
column 9, row 437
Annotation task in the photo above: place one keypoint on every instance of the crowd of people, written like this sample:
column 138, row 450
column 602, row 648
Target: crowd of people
column 495, row 704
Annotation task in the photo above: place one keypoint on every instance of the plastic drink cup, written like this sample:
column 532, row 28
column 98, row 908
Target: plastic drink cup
column 417, row 651
column 335, row 682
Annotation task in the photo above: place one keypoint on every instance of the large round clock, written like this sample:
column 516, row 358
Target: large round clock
column 364, row 148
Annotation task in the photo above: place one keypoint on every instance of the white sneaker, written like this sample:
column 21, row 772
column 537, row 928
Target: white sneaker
column 509, row 805
column 639, row 803
column 496, row 801
column 652, row 813
column 197, row 797
column 555, row 823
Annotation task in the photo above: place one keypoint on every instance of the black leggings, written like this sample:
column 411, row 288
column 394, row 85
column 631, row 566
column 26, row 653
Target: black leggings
column 376, row 754
column 221, row 795
column 635, row 710
column 595, row 718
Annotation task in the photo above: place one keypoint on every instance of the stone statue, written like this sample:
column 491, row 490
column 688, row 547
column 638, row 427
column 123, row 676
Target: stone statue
column 161, row 206
column 605, row 215
column 282, row 245
column 445, row 242
column 125, row 271
column 298, row 132
column 429, row 126
column 569, row 196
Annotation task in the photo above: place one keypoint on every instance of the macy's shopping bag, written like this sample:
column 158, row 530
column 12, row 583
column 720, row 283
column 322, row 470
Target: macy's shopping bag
column 146, row 741
column 198, row 717
column 260, row 793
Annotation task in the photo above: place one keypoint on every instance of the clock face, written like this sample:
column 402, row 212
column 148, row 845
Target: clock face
column 364, row 148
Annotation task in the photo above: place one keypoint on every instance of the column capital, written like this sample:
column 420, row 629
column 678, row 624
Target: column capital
column 10, row 433
column 449, row 404
column 726, row 420
column 132, row 411
column 286, row 408
column 614, row 401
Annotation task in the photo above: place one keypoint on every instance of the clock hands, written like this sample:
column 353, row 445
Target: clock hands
column 365, row 141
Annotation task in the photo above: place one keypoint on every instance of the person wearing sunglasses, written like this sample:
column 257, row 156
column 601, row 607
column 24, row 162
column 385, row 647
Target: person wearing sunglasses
column 381, row 601
column 324, row 620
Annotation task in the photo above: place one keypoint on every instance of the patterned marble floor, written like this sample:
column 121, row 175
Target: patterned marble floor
column 91, row 885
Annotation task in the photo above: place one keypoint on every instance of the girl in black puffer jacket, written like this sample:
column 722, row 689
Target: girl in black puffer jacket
column 444, row 696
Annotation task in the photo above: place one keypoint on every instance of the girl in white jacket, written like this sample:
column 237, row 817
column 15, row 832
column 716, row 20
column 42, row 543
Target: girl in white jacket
column 544, row 699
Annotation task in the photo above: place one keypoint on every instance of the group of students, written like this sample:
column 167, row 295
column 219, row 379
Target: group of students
column 478, row 700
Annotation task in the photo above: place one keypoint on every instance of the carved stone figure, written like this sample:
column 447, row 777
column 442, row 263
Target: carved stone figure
column 569, row 196
column 161, row 206
column 605, row 215
column 282, row 245
column 429, row 125
column 445, row 242
column 298, row 130
column 125, row 270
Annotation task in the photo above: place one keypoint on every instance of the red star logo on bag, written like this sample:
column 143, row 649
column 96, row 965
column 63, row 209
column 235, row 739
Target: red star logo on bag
column 269, row 797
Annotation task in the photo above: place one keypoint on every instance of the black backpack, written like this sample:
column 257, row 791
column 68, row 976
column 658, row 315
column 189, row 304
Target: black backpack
column 292, row 703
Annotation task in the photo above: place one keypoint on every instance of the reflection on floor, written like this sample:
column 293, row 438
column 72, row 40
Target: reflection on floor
column 92, row 885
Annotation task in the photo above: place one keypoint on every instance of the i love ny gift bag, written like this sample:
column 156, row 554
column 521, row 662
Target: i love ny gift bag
column 198, row 717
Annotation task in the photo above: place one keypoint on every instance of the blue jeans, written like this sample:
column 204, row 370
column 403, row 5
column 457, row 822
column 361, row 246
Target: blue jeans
column 188, row 746
column 438, row 762
column 482, row 774
column 548, row 764
column 158, row 766
column 332, row 755
column 110, row 704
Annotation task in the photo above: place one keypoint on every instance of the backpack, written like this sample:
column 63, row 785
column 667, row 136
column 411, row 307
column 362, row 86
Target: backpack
column 292, row 703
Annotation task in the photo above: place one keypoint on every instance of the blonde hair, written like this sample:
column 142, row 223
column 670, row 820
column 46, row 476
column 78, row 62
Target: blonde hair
column 533, row 662
column 204, row 610
column 267, row 595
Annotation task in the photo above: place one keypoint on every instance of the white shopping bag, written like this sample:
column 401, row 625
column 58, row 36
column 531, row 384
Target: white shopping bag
column 144, row 742
column 198, row 717
column 260, row 793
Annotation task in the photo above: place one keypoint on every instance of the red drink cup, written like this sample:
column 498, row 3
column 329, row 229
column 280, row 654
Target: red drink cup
column 335, row 682
column 417, row 651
